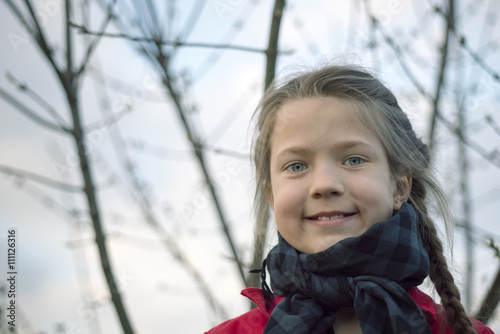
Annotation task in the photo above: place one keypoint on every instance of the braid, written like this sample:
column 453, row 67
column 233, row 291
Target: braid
column 439, row 273
column 443, row 280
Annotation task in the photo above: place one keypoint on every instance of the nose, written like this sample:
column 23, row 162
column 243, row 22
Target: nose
column 326, row 182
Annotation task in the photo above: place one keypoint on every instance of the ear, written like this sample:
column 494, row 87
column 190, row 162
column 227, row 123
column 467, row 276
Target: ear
column 401, row 191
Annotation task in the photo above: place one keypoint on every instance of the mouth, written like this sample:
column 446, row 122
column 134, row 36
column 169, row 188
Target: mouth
column 330, row 215
column 324, row 217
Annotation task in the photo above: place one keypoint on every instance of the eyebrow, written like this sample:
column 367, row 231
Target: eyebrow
column 338, row 145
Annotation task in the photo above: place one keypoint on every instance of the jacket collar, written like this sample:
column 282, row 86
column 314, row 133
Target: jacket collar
column 256, row 295
column 424, row 301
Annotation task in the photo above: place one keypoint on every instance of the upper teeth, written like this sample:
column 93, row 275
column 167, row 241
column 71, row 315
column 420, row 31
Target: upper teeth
column 329, row 218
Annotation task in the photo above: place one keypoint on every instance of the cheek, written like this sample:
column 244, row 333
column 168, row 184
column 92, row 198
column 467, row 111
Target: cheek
column 288, row 198
column 373, row 188
column 376, row 194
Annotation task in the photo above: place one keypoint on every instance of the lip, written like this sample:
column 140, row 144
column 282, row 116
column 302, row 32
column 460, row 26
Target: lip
column 337, row 218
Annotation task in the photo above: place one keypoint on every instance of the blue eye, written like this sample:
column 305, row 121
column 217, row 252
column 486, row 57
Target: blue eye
column 354, row 161
column 296, row 167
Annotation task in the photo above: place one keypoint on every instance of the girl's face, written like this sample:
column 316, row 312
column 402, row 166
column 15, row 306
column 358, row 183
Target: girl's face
column 330, row 177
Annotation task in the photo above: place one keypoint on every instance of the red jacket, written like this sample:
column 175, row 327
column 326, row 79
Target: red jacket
column 254, row 321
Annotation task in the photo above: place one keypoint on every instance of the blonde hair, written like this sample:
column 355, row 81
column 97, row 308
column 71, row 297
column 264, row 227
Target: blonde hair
column 407, row 156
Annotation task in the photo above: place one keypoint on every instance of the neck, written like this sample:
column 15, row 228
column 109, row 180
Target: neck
column 346, row 321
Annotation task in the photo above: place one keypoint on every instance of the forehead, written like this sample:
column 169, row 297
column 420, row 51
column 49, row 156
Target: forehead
column 305, row 121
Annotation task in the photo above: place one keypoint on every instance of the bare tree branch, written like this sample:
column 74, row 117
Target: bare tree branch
column 90, row 191
column 69, row 81
column 94, row 43
column 22, row 174
column 272, row 48
column 154, row 20
column 226, row 152
column 197, row 148
column 492, row 157
column 142, row 199
column 176, row 43
column 79, row 137
column 485, row 235
column 31, row 114
column 473, row 54
column 37, row 98
column 466, row 200
column 494, row 247
column 193, row 18
column 159, row 58
column 20, row 17
column 450, row 17
column 491, row 122
column 263, row 220
column 108, row 121
column 490, row 301
column 41, row 40
column 69, row 41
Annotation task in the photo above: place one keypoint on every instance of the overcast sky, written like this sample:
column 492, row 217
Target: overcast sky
column 59, row 283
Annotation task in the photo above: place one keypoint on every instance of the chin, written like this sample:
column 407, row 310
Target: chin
column 322, row 245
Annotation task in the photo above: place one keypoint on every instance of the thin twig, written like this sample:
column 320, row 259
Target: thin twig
column 226, row 152
column 491, row 122
column 200, row 156
column 94, row 43
column 166, row 153
column 141, row 197
column 272, row 47
column 176, row 43
column 197, row 9
column 494, row 247
column 69, row 40
column 20, row 17
column 437, row 95
column 492, row 157
column 154, row 20
column 473, row 54
column 490, row 302
column 160, row 60
column 108, row 121
column 31, row 114
column 485, row 235
column 69, row 81
column 42, row 41
column 260, row 234
column 22, row 174
column 24, row 87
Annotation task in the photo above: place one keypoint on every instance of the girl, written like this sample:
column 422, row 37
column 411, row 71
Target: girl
column 347, row 179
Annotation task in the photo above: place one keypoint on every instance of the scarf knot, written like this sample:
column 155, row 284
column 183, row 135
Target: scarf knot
column 370, row 273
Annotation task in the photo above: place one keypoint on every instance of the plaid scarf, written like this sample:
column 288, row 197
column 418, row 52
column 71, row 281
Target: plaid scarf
column 370, row 272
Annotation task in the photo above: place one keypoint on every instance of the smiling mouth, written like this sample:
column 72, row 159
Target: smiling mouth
column 328, row 218
column 322, row 216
